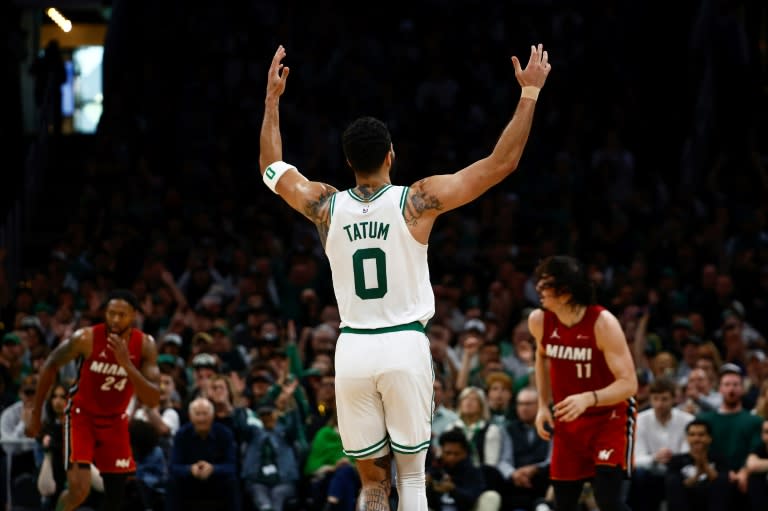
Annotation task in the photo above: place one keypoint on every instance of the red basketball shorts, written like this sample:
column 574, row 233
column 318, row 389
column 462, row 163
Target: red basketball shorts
column 103, row 441
column 605, row 438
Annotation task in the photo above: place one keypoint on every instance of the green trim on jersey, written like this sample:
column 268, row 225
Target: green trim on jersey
column 405, row 449
column 333, row 204
column 415, row 325
column 371, row 198
column 368, row 450
column 403, row 198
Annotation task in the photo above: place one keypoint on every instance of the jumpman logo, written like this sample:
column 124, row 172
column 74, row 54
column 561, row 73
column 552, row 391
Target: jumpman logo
column 613, row 415
column 103, row 354
column 554, row 334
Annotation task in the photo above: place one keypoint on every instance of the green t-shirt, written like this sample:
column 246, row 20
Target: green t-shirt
column 734, row 435
column 326, row 449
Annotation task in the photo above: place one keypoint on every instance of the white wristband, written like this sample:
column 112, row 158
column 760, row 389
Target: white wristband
column 530, row 92
column 274, row 172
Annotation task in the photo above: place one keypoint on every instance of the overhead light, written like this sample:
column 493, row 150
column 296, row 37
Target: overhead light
column 59, row 19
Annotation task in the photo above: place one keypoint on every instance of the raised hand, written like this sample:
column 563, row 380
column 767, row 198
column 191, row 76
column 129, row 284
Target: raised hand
column 278, row 74
column 120, row 347
column 537, row 69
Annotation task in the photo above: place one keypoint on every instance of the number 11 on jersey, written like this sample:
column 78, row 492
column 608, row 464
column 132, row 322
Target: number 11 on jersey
column 584, row 370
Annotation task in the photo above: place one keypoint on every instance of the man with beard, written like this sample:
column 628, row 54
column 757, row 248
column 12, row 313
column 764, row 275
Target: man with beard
column 735, row 431
column 116, row 360
column 376, row 236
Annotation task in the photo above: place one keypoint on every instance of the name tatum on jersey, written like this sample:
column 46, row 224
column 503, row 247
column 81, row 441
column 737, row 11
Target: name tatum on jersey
column 366, row 230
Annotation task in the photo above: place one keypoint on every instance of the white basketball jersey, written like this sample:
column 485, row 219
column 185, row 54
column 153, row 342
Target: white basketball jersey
column 380, row 273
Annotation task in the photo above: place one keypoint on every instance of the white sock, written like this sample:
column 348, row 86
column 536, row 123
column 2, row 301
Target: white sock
column 411, row 483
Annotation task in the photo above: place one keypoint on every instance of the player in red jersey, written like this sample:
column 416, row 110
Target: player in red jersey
column 115, row 361
column 584, row 364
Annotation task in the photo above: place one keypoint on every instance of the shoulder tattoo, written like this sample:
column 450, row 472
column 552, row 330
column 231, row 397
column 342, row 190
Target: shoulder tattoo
column 319, row 212
column 419, row 201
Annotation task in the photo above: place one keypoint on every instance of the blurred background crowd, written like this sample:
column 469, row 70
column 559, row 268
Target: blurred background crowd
column 647, row 161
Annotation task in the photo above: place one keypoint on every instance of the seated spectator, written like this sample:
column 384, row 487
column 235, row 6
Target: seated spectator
column 238, row 419
column 528, row 483
column 663, row 365
column 757, row 470
column 710, row 361
column 170, row 344
column 323, row 403
column 151, row 465
column 204, row 367
column 735, row 431
column 491, row 448
column 12, row 368
column 52, row 476
column 232, row 358
column 13, row 421
column 519, row 361
column 203, row 473
column 261, row 387
column 498, row 386
column 660, row 435
column 444, row 417
column 164, row 418
column 334, row 481
column 697, row 479
column 454, row 482
column 270, row 469
column 700, row 396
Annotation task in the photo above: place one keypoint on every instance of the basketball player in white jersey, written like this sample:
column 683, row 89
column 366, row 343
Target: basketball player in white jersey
column 375, row 236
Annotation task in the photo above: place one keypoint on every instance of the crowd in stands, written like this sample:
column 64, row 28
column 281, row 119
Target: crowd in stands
column 236, row 291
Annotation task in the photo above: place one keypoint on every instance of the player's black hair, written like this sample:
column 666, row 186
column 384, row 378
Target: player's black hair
column 124, row 295
column 568, row 276
column 366, row 142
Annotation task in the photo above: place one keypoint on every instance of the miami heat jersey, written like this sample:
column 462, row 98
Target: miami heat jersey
column 576, row 363
column 103, row 387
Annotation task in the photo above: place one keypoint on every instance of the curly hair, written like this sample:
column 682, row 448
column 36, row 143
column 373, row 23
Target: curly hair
column 366, row 142
column 568, row 277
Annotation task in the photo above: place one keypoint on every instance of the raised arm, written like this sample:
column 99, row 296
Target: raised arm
column 440, row 193
column 76, row 346
column 310, row 198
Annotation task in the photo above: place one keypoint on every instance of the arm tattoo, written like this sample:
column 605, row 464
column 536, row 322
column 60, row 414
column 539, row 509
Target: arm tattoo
column 318, row 210
column 419, row 201
column 376, row 498
column 65, row 352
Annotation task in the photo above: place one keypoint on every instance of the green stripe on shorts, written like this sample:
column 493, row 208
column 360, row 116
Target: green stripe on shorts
column 404, row 449
column 415, row 325
column 368, row 450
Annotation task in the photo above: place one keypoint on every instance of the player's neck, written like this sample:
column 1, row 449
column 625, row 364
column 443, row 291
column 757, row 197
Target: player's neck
column 570, row 315
column 369, row 184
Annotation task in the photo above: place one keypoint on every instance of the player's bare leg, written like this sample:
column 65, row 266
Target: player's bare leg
column 78, row 487
column 376, row 479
